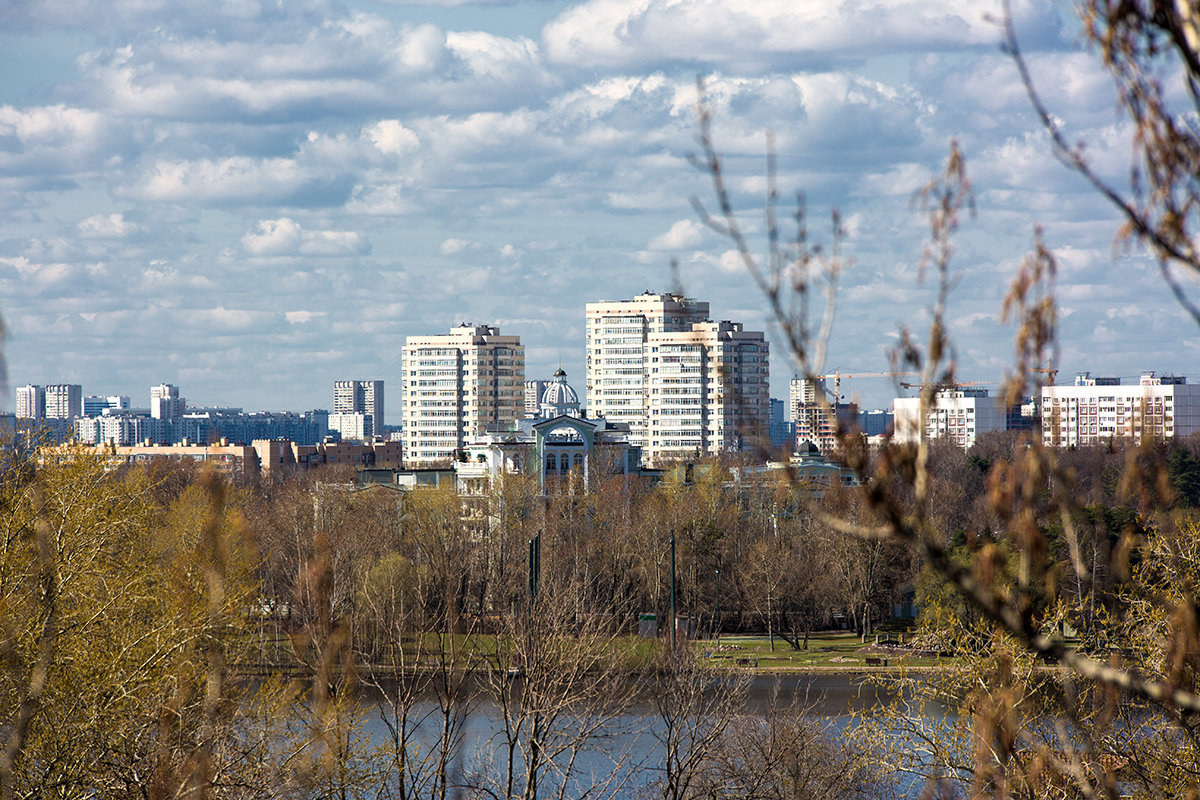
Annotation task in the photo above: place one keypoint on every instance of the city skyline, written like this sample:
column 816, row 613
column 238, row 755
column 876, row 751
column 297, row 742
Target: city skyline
column 241, row 202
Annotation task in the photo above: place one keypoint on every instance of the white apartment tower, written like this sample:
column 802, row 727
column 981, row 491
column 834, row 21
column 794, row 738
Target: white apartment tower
column 31, row 402
column 457, row 384
column 617, row 366
column 683, row 384
column 165, row 402
column 64, row 401
column 1097, row 410
column 707, row 391
column 360, row 397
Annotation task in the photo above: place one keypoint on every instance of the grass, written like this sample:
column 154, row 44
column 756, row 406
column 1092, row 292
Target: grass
column 826, row 651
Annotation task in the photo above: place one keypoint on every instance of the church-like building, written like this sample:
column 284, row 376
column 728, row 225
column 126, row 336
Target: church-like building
column 560, row 446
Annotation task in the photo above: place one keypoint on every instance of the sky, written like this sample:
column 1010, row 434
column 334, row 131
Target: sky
column 252, row 199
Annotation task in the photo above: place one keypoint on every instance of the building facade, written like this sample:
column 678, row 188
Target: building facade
column 815, row 411
column 684, row 385
column 959, row 414
column 31, row 402
column 707, row 391
column 533, row 397
column 456, row 385
column 1098, row 409
column 360, row 397
column 64, row 401
column 165, row 402
column 618, row 366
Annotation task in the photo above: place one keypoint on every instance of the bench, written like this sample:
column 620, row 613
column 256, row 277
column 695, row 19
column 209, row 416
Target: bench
column 876, row 662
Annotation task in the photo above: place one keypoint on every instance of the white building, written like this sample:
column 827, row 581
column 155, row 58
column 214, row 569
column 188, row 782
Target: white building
column 31, row 402
column 959, row 415
column 165, row 402
column 707, row 391
column 684, row 385
column 353, row 426
column 617, row 355
column 359, row 397
column 1097, row 410
column 456, row 385
column 533, row 397
column 64, row 401
column 95, row 405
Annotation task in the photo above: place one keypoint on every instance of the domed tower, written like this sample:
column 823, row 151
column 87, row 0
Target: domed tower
column 559, row 398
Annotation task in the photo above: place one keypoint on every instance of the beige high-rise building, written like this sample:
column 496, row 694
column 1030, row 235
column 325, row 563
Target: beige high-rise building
column 683, row 384
column 617, row 366
column 455, row 385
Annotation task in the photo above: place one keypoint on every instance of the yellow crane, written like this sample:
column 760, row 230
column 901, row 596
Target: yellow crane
column 837, row 376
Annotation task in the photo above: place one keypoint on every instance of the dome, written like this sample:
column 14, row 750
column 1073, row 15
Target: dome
column 559, row 398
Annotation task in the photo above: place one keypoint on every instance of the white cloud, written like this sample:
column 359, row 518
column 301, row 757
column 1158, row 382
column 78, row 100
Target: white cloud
column 683, row 234
column 111, row 226
column 285, row 237
column 393, row 138
column 622, row 33
column 302, row 317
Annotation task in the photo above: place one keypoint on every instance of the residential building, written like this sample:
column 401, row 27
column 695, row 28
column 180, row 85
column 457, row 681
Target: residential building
column 95, row 405
column 456, row 385
column 165, row 402
column 31, row 402
column 1100, row 409
column 360, row 397
column 618, row 356
column 533, row 397
column 958, row 414
column 814, row 410
column 707, row 391
column 683, row 384
column 352, row 426
column 63, row 401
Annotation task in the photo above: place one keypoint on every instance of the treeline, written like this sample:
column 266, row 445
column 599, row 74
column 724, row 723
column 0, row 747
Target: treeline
column 165, row 632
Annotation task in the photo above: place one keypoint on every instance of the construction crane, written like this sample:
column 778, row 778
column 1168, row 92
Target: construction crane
column 1049, row 370
column 837, row 376
column 951, row 385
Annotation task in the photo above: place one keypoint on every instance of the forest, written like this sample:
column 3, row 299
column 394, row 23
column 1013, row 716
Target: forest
column 168, row 632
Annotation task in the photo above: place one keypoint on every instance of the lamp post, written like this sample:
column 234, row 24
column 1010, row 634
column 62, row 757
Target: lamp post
column 672, row 594
column 718, row 573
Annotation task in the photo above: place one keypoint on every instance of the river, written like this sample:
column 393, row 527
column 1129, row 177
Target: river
column 623, row 757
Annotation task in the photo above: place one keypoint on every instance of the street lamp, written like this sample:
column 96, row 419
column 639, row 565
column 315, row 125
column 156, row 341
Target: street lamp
column 718, row 608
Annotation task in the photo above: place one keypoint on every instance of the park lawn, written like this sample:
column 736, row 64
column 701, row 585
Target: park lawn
column 832, row 651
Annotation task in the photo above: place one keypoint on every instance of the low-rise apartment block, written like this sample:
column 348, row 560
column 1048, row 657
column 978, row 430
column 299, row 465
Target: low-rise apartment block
column 1100, row 409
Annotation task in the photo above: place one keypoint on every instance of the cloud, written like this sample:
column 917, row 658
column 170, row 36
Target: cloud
column 286, row 237
column 111, row 226
column 623, row 34
column 683, row 234
column 303, row 317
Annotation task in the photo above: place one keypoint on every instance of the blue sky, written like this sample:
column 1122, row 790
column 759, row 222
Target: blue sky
column 253, row 199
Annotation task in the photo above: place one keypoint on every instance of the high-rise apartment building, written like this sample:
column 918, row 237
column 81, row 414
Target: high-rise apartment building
column 457, row 384
column 683, row 384
column 31, row 402
column 533, row 397
column 707, row 391
column 617, row 365
column 1097, row 410
column 360, row 397
column 814, row 410
column 165, row 402
column 64, row 401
